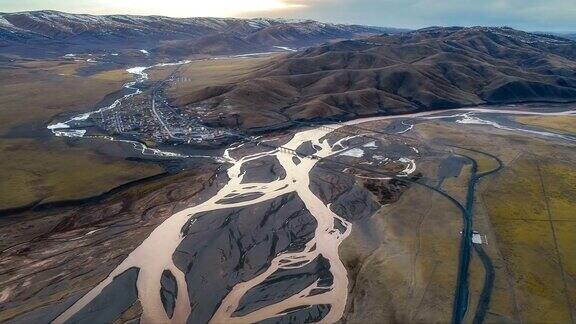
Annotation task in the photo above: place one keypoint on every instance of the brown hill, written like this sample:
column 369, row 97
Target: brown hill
column 213, row 44
column 431, row 68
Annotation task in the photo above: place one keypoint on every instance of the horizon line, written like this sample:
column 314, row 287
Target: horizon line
column 283, row 18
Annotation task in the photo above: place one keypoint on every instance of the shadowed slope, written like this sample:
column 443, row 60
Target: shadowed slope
column 431, row 68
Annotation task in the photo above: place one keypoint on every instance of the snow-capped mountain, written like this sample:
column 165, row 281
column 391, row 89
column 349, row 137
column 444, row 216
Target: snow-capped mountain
column 44, row 33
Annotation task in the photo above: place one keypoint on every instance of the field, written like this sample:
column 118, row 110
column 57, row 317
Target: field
column 532, row 210
column 194, row 81
column 54, row 171
column 36, row 166
column 394, row 257
column 525, row 211
column 40, row 90
column 566, row 124
column 207, row 73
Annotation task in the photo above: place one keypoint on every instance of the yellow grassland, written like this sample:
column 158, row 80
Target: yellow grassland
column 205, row 73
column 527, row 211
column 565, row 124
column 60, row 173
column 38, row 167
column 38, row 92
column 403, row 261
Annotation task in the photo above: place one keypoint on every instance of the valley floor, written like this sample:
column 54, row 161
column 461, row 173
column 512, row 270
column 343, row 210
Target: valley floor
column 461, row 215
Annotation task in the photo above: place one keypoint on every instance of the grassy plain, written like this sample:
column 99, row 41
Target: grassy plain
column 206, row 73
column 565, row 124
column 35, row 165
column 535, row 243
column 457, row 186
column 403, row 261
column 526, row 212
column 33, row 93
column 58, row 172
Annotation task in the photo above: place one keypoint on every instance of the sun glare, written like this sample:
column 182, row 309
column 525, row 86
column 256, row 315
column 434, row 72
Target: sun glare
column 196, row 8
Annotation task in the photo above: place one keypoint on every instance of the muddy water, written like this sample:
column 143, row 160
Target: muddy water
column 154, row 255
column 325, row 242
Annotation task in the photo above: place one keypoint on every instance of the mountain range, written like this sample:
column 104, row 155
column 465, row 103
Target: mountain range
column 431, row 68
column 46, row 33
column 341, row 71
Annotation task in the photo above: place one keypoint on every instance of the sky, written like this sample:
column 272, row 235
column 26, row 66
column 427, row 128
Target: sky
column 531, row 15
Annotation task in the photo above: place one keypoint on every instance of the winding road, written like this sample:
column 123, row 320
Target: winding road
column 462, row 287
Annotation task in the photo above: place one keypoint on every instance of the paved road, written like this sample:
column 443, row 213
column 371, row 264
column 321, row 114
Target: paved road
column 461, row 299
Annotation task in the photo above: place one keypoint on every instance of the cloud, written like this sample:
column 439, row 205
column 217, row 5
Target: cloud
column 545, row 15
column 553, row 15
column 195, row 8
column 176, row 8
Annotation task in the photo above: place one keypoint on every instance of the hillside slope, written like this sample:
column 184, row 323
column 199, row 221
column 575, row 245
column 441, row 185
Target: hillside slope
column 432, row 68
